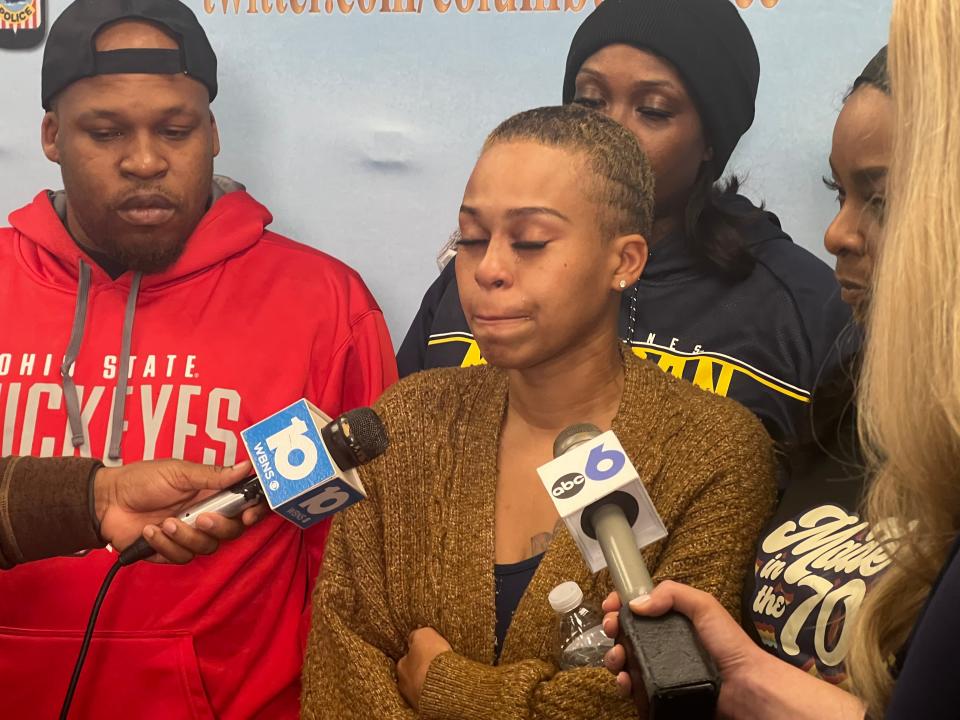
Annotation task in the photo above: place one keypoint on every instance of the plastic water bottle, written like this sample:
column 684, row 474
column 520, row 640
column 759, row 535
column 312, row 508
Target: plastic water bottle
column 579, row 640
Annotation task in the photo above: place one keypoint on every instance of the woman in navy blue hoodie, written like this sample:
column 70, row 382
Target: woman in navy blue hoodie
column 727, row 300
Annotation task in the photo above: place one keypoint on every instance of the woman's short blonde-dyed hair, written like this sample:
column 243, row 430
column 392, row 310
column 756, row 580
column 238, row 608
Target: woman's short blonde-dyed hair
column 622, row 185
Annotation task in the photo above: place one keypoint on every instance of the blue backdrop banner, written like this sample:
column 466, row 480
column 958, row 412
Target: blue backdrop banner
column 357, row 122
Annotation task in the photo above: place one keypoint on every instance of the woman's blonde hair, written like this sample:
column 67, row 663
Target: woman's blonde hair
column 910, row 392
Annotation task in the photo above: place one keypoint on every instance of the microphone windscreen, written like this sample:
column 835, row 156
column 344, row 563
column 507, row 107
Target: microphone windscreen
column 355, row 438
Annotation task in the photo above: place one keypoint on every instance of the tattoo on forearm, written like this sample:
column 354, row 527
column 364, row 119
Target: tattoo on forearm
column 540, row 542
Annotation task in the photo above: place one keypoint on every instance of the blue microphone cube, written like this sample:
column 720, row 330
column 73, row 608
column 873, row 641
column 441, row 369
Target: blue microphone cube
column 299, row 478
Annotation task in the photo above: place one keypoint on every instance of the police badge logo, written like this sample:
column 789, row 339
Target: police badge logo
column 23, row 23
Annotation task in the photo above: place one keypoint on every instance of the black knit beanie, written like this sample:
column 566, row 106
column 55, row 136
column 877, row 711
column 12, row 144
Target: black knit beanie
column 705, row 40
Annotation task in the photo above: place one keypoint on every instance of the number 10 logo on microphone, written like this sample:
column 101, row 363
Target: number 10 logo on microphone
column 300, row 479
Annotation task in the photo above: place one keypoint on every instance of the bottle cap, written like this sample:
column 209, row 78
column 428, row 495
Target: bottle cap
column 565, row 597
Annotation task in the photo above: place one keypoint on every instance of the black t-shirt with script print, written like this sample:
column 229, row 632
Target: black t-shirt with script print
column 816, row 559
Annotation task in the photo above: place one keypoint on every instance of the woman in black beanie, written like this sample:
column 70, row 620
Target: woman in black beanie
column 683, row 78
column 727, row 301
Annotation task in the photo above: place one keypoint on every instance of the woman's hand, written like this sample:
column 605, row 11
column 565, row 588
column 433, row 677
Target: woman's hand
column 423, row 646
column 755, row 683
column 725, row 641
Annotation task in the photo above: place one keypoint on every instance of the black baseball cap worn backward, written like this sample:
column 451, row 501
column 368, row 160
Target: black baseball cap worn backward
column 70, row 53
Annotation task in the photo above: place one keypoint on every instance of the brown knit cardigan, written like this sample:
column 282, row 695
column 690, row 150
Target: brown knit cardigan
column 419, row 551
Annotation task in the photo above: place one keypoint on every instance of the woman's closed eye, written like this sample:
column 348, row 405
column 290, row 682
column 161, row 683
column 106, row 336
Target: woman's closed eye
column 652, row 113
column 529, row 244
column 462, row 241
column 589, row 102
column 833, row 186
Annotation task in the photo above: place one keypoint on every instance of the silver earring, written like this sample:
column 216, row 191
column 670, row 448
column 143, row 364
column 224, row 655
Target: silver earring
column 623, row 284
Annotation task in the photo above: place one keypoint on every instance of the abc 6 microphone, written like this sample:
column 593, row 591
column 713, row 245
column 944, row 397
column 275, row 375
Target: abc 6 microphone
column 305, row 464
column 609, row 514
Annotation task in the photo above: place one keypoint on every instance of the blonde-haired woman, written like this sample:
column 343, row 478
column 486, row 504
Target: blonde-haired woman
column 903, row 658
column 912, row 382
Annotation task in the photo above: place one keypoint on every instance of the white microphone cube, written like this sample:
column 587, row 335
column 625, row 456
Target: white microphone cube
column 588, row 473
column 300, row 480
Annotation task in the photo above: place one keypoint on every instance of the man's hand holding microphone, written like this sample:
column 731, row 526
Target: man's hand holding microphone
column 144, row 498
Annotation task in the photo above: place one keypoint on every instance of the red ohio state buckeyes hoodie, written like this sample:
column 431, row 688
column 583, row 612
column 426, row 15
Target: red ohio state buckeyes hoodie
column 171, row 364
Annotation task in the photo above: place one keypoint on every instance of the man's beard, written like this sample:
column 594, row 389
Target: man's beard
column 139, row 249
column 143, row 255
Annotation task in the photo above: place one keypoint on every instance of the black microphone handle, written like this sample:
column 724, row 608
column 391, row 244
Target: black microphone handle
column 664, row 655
column 669, row 667
column 229, row 502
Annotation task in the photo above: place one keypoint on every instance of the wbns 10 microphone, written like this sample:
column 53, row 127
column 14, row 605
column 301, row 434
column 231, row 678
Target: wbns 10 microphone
column 305, row 465
column 607, row 510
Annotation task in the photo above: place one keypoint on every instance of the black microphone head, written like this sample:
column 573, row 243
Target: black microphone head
column 573, row 436
column 355, row 438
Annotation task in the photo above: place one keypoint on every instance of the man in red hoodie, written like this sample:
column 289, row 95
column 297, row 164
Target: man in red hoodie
column 147, row 312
